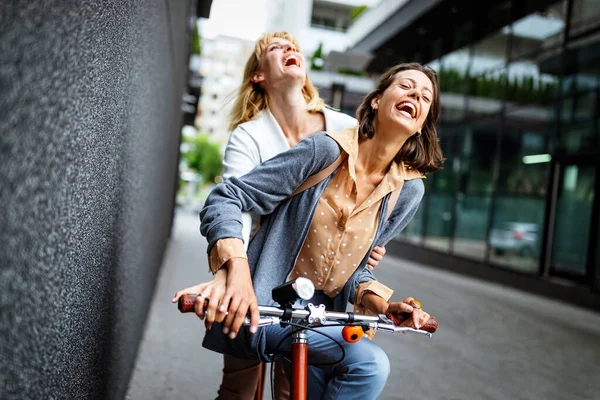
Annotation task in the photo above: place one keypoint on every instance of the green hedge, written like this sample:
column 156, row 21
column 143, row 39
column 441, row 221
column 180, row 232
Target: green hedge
column 525, row 89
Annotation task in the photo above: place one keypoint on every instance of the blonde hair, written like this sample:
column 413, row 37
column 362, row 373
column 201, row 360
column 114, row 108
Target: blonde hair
column 252, row 98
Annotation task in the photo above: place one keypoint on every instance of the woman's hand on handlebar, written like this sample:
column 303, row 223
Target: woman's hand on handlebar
column 212, row 292
column 239, row 298
column 417, row 317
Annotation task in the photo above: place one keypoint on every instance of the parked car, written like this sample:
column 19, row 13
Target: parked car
column 515, row 237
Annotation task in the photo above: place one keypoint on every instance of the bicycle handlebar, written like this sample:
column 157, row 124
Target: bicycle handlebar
column 317, row 314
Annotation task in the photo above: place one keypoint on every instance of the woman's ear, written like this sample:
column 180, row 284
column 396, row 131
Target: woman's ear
column 375, row 103
column 257, row 77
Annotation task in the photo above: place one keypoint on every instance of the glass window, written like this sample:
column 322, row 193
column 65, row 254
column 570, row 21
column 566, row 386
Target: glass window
column 577, row 138
column 439, row 214
column 440, row 189
column 517, row 228
column 454, row 85
column 524, row 164
column 491, row 38
column 578, row 109
column 582, row 70
column 538, row 31
column 490, row 53
column 573, row 218
column 330, row 16
column 475, row 188
column 436, row 53
column 585, row 16
column 531, row 82
column 453, row 70
column 486, row 93
column 487, row 72
column 577, row 115
column 596, row 282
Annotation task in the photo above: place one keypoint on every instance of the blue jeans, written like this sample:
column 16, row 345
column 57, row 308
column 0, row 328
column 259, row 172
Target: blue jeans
column 362, row 373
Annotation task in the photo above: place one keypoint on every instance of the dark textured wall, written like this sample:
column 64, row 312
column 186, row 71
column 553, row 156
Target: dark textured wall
column 90, row 95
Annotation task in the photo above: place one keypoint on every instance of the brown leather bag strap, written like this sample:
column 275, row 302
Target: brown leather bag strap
column 392, row 202
column 319, row 176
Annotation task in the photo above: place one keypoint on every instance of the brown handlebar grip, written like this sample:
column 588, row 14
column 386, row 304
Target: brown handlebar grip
column 186, row 303
column 430, row 326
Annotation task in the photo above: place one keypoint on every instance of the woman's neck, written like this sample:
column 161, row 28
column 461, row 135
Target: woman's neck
column 289, row 109
column 376, row 154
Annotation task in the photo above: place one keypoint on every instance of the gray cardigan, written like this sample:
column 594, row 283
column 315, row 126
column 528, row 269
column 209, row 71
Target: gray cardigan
column 285, row 222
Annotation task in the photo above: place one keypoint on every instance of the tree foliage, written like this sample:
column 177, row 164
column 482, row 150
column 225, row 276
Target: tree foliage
column 356, row 12
column 204, row 156
column 317, row 62
column 196, row 47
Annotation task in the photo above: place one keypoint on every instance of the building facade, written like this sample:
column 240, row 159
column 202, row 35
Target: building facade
column 325, row 25
column 520, row 90
column 222, row 69
column 315, row 22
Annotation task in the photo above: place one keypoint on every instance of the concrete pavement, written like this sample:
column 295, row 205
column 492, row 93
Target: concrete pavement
column 493, row 342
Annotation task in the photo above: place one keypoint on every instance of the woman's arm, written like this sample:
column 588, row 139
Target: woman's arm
column 260, row 191
column 242, row 154
column 264, row 188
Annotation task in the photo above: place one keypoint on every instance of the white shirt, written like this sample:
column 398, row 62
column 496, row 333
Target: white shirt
column 256, row 141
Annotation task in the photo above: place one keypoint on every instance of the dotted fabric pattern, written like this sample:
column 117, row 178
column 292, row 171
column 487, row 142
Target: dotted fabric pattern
column 90, row 97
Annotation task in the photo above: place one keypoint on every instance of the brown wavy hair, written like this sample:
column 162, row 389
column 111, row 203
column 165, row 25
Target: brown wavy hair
column 252, row 99
column 422, row 153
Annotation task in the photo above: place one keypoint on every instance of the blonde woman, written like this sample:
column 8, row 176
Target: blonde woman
column 276, row 107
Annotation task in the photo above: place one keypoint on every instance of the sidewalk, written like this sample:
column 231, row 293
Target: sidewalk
column 493, row 342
